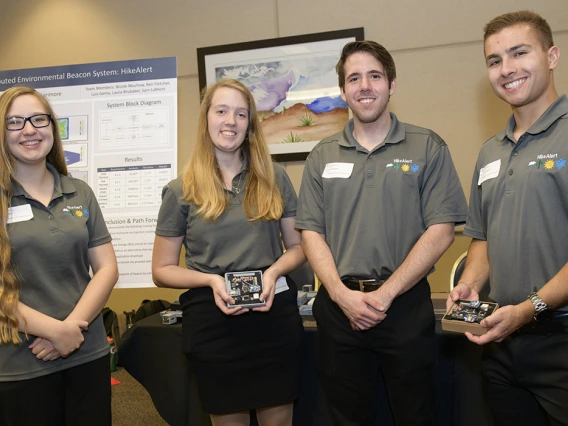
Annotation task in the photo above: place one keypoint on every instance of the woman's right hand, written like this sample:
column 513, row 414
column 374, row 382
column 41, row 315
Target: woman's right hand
column 43, row 349
column 68, row 336
column 219, row 287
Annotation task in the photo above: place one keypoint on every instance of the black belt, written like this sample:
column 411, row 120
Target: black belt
column 364, row 285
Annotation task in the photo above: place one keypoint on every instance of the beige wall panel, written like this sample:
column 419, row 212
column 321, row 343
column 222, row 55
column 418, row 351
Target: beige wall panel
column 71, row 32
column 405, row 24
column 108, row 30
column 188, row 113
column 295, row 169
column 215, row 22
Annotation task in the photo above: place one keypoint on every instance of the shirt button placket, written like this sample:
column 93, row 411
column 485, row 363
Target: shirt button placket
column 369, row 167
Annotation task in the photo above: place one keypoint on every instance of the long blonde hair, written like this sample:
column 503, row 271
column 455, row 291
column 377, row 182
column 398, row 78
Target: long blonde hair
column 9, row 282
column 202, row 178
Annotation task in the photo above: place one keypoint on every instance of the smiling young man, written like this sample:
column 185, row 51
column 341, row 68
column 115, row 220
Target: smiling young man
column 378, row 205
column 518, row 220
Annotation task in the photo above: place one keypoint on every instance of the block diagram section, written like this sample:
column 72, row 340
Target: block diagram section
column 145, row 128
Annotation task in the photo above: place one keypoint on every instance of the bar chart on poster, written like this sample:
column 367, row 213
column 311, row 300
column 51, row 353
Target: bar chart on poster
column 118, row 125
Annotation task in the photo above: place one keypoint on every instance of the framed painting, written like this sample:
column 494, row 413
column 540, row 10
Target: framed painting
column 293, row 81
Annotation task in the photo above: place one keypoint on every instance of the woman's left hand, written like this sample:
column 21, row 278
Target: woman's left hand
column 268, row 289
column 43, row 349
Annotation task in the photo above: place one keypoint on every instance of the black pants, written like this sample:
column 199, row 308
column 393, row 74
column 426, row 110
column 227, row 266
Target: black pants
column 526, row 379
column 402, row 348
column 78, row 396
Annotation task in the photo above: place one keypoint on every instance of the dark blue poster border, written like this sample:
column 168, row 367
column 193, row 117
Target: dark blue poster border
column 94, row 73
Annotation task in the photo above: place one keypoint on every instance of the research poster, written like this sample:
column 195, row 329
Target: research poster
column 118, row 123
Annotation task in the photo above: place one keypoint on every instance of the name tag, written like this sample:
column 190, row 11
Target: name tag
column 337, row 170
column 490, row 171
column 20, row 213
column 281, row 285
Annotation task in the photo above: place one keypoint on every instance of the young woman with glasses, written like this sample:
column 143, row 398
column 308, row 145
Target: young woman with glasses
column 54, row 362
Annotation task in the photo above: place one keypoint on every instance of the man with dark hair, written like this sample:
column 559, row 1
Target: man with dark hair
column 378, row 206
column 518, row 221
column 374, row 49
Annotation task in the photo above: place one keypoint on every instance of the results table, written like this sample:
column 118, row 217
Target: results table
column 132, row 186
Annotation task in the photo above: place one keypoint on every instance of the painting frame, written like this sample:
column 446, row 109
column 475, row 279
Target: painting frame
column 326, row 47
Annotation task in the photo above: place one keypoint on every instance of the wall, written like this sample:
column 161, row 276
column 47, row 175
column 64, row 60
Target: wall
column 437, row 46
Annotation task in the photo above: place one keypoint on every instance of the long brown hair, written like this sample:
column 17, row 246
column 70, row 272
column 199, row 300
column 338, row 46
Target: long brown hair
column 202, row 178
column 9, row 283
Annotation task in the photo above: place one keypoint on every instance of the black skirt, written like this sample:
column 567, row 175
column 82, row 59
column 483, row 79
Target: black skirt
column 246, row 361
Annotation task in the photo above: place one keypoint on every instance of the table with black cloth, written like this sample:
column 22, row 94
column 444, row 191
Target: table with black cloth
column 151, row 353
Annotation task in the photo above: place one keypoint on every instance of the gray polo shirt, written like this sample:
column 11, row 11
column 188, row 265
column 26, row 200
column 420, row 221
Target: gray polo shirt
column 373, row 217
column 520, row 205
column 233, row 242
column 50, row 254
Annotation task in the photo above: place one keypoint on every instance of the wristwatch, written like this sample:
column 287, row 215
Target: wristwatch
column 541, row 310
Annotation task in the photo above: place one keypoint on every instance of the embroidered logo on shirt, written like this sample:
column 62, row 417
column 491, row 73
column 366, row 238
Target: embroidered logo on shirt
column 78, row 212
column 403, row 166
column 547, row 162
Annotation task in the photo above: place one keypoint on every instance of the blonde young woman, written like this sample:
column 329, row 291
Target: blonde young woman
column 54, row 365
column 231, row 209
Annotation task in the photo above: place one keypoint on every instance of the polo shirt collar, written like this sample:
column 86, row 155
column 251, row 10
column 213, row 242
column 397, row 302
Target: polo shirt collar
column 348, row 141
column 18, row 189
column 555, row 111
column 245, row 165
column 396, row 134
column 63, row 185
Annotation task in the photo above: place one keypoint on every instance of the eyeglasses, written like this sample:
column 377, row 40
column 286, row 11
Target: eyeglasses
column 38, row 121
